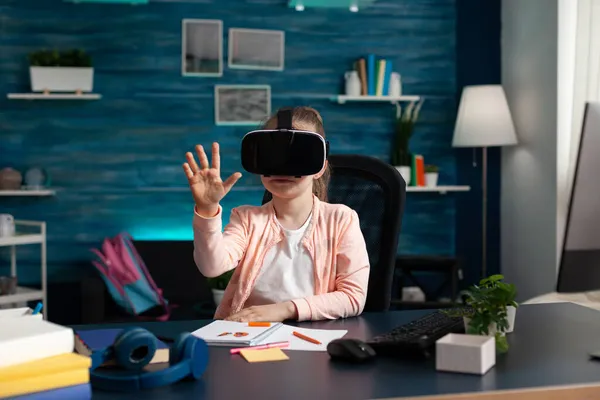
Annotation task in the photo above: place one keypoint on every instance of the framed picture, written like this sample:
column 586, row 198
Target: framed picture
column 242, row 104
column 202, row 47
column 258, row 49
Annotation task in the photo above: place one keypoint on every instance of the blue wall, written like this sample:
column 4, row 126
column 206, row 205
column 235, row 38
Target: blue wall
column 478, row 62
column 117, row 161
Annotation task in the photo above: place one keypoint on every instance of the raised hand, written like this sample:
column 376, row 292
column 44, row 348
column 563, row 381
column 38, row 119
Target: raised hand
column 205, row 181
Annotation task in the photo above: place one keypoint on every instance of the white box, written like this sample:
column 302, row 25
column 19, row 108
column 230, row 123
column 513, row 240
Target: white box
column 471, row 354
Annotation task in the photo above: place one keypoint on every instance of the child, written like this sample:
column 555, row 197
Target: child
column 296, row 257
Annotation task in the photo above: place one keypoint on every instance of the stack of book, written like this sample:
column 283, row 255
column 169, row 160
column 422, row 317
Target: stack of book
column 37, row 361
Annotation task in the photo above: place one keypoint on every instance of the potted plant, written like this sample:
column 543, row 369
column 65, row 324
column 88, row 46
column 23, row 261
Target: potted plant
column 66, row 71
column 218, row 285
column 431, row 175
column 403, row 130
column 487, row 309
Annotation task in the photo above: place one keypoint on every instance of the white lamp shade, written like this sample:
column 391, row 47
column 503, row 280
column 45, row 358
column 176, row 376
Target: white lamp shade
column 483, row 118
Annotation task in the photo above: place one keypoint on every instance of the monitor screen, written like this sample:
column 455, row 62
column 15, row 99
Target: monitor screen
column 580, row 261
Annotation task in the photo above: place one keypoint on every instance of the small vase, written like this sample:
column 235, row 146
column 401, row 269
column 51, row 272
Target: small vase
column 405, row 172
column 431, row 179
column 511, row 313
column 218, row 296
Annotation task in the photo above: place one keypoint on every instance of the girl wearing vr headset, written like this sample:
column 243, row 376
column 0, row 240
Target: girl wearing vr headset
column 295, row 257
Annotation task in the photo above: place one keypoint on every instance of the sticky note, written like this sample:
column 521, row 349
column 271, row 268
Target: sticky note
column 274, row 354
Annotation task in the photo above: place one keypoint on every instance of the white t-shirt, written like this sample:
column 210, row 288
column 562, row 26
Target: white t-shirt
column 287, row 272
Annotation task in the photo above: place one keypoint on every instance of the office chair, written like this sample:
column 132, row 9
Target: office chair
column 377, row 192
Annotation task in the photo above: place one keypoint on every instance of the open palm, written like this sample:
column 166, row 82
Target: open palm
column 205, row 181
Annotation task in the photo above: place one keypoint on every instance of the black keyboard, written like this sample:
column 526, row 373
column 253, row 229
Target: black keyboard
column 416, row 338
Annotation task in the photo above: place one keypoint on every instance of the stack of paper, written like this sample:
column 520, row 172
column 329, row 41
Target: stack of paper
column 37, row 359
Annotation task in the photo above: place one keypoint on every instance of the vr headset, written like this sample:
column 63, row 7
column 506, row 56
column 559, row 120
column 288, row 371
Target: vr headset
column 284, row 151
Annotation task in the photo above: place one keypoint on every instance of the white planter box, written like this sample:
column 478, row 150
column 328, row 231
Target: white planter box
column 61, row 79
column 470, row 354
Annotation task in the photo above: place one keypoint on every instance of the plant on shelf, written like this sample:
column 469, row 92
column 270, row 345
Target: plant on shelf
column 218, row 285
column 401, row 156
column 61, row 71
column 431, row 169
column 486, row 312
column 431, row 175
column 54, row 58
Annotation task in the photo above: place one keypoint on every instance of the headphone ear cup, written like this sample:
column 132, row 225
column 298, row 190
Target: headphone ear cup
column 196, row 351
column 134, row 348
column 176, row 351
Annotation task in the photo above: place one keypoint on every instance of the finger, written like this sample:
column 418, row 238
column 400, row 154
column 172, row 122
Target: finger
column 192, row 162
column 228, row 184
column 188, row 171
column 216, row 157
column 202, row 156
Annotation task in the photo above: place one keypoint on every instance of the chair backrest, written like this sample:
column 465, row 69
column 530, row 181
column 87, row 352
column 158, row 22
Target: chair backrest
column 377, row 192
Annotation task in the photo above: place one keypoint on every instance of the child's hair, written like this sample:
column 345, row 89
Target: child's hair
column 308, row 119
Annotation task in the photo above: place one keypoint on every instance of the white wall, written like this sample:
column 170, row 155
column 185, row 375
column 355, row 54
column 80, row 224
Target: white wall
column 529, row 170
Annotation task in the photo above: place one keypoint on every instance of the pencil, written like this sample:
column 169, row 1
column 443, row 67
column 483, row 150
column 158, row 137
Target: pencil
column 304, row 337
column 265, row 324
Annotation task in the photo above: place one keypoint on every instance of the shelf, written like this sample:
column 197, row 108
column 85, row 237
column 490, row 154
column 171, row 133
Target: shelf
column 54, row 96
column 439, row 189
column 28, row 192
column 23, row 294
column 21, row 238
column 341, row 99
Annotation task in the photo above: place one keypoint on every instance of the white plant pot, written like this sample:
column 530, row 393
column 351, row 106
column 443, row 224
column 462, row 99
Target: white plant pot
column 61, row 79
column 511, row 313
column 218, row 296
column 405, row 172
column 431, row 179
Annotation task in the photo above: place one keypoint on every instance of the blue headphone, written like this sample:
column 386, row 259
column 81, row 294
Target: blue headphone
column 134, row 348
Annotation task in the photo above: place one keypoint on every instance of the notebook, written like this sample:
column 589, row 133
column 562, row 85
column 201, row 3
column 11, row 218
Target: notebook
column 29, row 339
column 94, row 340
column 229, row 333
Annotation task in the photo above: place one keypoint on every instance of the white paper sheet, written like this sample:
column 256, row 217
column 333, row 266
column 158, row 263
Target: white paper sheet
column 286, row 333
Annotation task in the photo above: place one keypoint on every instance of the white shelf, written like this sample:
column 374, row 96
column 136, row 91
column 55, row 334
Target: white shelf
column 20, row 238
column 439, row 189
column 23, row 294
column 341, row 99
column 28, row 192
column 54, row 96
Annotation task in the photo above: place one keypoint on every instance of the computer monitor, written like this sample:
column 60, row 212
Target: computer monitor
column 580, row 261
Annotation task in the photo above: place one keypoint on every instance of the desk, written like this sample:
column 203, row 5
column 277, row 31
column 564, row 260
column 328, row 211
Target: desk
column 539, row 355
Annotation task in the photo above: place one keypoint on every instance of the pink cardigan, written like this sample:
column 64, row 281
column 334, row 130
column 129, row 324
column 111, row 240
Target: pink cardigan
column 333, row 239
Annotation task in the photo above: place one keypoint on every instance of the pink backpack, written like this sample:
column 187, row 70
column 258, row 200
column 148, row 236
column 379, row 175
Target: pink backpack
column 127, row 278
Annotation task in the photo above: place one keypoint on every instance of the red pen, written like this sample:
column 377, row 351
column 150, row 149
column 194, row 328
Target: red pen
column 261, row 347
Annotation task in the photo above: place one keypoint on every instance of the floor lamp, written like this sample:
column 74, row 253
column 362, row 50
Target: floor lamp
column 484, row 121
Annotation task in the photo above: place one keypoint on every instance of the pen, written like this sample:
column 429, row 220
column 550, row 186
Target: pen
column 37, row 309
column 304, row 337
column 261, row 347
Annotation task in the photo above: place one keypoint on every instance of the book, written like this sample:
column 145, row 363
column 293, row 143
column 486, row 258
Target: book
column 44, row 366
column 229, row 333
column 34, row 384
column 76, row 392
column 30, row 339
column 19, row 312
column 94, row 340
